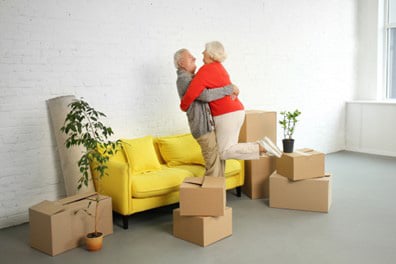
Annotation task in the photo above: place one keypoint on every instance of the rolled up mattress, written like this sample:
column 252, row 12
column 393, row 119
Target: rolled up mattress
column 58, row 109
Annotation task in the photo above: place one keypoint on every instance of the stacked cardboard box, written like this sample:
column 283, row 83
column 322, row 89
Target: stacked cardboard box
column 301, row 182
column 57, row 226
column 257, row 125
column 203, row 217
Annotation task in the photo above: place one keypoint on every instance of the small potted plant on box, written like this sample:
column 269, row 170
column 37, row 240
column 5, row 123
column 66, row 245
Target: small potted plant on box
column 83, row 127
column 288, row 123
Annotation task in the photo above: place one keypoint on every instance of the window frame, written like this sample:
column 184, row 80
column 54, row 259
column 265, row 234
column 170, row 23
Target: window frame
column 387, row 34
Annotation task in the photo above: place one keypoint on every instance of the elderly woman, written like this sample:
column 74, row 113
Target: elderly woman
column 228, row 112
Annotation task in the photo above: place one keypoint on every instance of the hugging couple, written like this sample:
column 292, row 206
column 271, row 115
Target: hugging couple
column 214, row 112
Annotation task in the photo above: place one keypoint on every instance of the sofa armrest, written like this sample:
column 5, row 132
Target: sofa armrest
column 116, row 184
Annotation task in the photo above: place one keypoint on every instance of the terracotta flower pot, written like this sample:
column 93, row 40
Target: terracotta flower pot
column 94, row 241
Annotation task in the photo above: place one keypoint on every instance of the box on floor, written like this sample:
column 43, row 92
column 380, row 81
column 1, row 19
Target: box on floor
column 257, row 125
column 256, row 184
column 57, row 226
column 203, row 196
column 310, row 195
column 301, row 164
column 202, row 230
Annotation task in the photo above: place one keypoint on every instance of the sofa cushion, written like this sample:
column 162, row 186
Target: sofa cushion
column 141, row 154
column 158, row 182
column 233, row 167
column 180, row 149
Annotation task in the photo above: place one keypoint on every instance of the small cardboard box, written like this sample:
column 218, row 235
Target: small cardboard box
column 257, row 175
column 301, row 164
column 309, row 195
column 202, row 230
column 203, row 196
column 57, row 226
column 257, row 125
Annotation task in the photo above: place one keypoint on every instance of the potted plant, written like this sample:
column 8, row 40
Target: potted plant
column 83, row 127
column 288, row 123
column 93, row 240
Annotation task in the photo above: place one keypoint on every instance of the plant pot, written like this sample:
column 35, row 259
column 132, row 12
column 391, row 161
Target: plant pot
column 288, row 145
column 94, row 241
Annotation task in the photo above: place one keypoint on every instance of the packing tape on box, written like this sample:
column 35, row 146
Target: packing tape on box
column 304, row 153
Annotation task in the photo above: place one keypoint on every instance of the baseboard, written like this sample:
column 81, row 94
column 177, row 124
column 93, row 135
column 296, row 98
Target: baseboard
column 372, row 151
column 14, row 220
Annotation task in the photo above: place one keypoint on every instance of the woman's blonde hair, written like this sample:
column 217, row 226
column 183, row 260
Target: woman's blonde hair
column 216, row 51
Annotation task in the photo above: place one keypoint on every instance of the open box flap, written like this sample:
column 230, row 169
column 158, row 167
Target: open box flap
column 77, row 197
column 195, row 180
column 48, row 207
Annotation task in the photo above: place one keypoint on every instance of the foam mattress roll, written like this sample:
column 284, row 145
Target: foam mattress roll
column 58, row 110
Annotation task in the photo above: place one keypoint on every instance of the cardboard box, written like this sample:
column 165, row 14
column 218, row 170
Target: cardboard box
column 257, row 125
column 57, row 226
column 257, row 173
column 202, row 230
column 301, row 164
column 203, row 196
column 309, row 195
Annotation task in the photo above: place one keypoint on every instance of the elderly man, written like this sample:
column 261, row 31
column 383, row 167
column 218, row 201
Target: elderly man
column 198, row 114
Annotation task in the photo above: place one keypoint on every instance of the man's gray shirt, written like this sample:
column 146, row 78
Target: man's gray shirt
column 199, row 116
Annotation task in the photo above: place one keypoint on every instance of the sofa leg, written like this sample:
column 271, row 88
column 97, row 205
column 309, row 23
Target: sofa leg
column 125, row 221
column 238, row 191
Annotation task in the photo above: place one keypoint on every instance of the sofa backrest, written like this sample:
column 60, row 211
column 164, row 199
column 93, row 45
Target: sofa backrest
column 192, row 147
column 157, row 151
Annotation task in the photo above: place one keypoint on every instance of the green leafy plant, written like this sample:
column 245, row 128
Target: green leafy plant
column 83, row 127
column 288, row 122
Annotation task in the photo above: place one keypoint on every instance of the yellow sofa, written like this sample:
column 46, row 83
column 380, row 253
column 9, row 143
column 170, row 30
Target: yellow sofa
column 146, row 173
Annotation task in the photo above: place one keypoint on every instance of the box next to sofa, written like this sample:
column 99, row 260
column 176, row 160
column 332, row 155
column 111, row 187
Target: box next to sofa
column 203, row 196
column 301, row 164
column 202, row 230
column 257, row 125
column 257, row 177
column 57, row 226
column 309, row 195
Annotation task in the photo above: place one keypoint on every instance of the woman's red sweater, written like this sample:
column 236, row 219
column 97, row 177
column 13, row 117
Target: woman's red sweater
column 211, row 75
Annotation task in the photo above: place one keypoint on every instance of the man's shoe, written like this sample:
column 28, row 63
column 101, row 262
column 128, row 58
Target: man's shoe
column 270, row 147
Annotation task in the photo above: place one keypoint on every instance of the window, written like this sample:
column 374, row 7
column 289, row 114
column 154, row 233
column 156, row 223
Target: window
column 390, row 28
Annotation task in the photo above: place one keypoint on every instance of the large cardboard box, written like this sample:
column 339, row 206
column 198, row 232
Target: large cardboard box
column 57, row 226
column 203, row 196
column 257, row 175
column 310, row 195
column 301, row 164
column 257, row 125
column 202, row 230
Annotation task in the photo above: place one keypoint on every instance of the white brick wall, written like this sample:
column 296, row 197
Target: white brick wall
column 118, row 56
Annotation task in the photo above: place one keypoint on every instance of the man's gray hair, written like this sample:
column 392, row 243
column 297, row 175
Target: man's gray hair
column 216, row 51
column 177, row 57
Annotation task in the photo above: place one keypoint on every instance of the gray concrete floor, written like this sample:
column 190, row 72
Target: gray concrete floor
column 360, row 228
